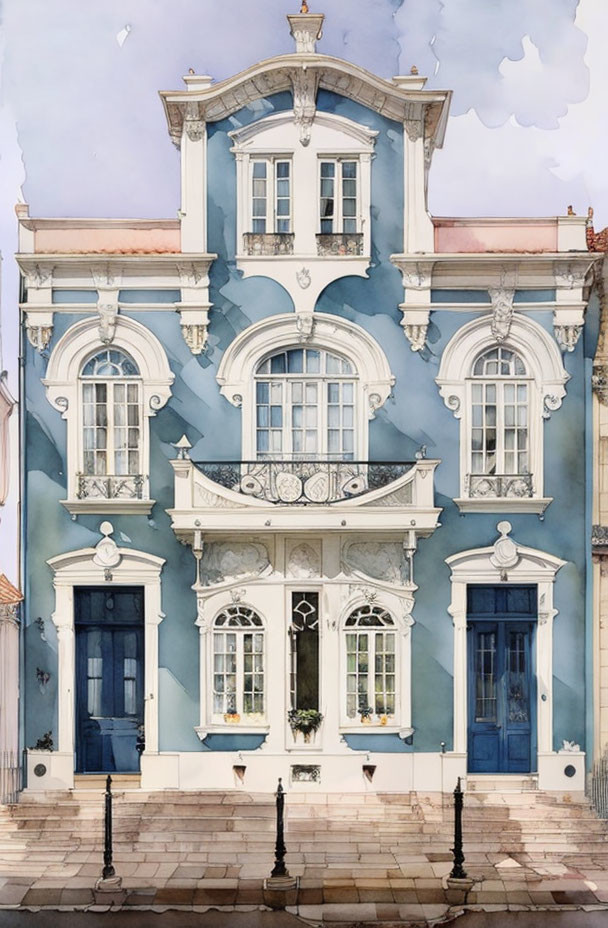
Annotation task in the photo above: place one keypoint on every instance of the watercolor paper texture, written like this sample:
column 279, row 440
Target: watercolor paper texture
column 452, row 350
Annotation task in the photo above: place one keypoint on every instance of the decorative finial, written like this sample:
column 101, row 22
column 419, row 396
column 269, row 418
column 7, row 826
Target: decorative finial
column 590, row 212
column 413, row 69
column 571, row 211
column 304, row 7
column 191, row 71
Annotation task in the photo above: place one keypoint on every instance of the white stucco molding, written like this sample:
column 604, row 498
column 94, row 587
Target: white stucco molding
column 236, row 370
column 548, row 377
column 63, row 392
column 109, row 566
column 505, row 562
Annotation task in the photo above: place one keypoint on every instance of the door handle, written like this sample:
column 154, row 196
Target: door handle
column 498, row 725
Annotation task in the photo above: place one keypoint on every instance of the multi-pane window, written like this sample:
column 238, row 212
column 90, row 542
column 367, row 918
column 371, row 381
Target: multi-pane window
column 499, row 414
column 305, row 405
column 338, row 207
column 371, row 663
column 270, row 195
column 238, row 662
column 111, row 414
column 485, row 677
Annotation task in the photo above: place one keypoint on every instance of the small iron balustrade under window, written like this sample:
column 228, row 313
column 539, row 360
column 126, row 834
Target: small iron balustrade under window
column 268, row 243
column 303, row 481
column 340, row 243
column 111, row 486
column 500, row 486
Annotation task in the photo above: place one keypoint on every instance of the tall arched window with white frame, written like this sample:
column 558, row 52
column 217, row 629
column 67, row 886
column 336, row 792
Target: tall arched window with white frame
column 111, row 426
column 238, row 665
column 305, row 405
column 499, row 438
column 370, row 652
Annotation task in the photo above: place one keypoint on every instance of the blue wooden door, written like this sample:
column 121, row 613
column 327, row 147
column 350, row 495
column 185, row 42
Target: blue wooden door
column 109, row 679
column 501, row 690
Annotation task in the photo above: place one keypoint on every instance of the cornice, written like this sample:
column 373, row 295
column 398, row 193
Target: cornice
column 390, row 99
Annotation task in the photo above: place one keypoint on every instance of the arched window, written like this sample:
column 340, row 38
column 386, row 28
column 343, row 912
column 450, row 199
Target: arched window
column 500, row 417
column 305, row 405
column 107, row 394
column 238, row 665
column 502, row 392
column 111, row 425
column 371, row 664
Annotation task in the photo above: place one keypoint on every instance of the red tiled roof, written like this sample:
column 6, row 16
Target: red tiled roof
column 8, row 593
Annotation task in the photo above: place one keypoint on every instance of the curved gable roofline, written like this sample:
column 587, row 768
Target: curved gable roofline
column 393, row 99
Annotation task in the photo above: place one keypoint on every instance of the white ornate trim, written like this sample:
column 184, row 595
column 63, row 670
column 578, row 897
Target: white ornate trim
column 548, row 375
column 105, row 565
column 236, row 371
column 62, row 388
column 505, row 562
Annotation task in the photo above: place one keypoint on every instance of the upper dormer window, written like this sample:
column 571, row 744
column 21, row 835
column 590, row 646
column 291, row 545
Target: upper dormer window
column 271, row 195
column 339, row 212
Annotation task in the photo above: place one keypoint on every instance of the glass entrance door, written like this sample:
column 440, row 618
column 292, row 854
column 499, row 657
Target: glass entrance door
column 501, row 689
column 109, row 679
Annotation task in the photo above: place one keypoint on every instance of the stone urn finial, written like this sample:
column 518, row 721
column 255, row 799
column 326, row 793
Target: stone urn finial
column 306, row 29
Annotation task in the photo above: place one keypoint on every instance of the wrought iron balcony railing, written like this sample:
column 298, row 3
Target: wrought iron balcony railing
column 303, row 482
column 340, row 243
column 499, row 486
column 111, row 486
column 268, row 243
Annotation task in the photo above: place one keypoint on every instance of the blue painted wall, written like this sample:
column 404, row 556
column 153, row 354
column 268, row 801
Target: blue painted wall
column 414, row 415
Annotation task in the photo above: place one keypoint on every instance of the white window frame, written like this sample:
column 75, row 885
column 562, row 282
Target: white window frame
column 63, row 388
column 236, row 372
column 547, row 379
column 271, row 218
column 246, row 719
column 399, row 609
column 277, row 138
column 338, row 217
column 321, row 427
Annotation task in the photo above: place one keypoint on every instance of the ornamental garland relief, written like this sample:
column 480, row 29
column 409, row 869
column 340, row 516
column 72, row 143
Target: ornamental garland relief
column 381, row 560
column 223, row 561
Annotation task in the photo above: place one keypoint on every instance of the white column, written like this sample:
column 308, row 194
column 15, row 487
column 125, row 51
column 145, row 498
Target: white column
column 153, row 617
column 63, row 618
column 458, row 611
column 331, row 676
column 194, row 187
column 544, row 666
column 418, row 227
column 276, row 666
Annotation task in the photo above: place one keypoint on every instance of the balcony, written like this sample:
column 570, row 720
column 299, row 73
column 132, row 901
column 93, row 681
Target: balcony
column 499, row 486
column 339, row 243
column 303, row 482
column 268, row 243
column 270, row 496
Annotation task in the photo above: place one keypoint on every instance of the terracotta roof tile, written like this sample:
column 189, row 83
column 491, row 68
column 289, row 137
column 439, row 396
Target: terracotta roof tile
column 8, row 593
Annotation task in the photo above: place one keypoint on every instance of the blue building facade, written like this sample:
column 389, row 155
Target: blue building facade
column 307, row 469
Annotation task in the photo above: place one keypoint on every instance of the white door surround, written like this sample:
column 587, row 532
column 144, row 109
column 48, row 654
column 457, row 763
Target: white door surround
column 510, row 563
column 111, row 566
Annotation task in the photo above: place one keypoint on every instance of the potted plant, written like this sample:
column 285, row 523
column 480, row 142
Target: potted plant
column 232, row 717
column 307, row 721
column 366, row 714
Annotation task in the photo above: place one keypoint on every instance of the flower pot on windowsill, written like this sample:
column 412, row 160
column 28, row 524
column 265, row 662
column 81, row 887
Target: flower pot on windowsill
column 232, row 718
column 306, row 721
column 366, row 715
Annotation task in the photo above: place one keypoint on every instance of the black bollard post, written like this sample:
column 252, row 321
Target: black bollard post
column 108, row 869
column 279, row 868
column 457, row 872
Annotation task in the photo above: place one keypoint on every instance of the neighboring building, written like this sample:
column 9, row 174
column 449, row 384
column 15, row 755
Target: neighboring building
column 307, row 450
column 598, row 242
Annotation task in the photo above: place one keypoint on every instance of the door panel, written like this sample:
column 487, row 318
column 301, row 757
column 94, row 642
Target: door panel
column 109, row 679
column 501, row 698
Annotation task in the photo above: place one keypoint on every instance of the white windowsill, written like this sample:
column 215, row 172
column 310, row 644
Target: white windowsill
column 120, row 506
column 376, row 730
column 230, row 729
column 504, row 504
